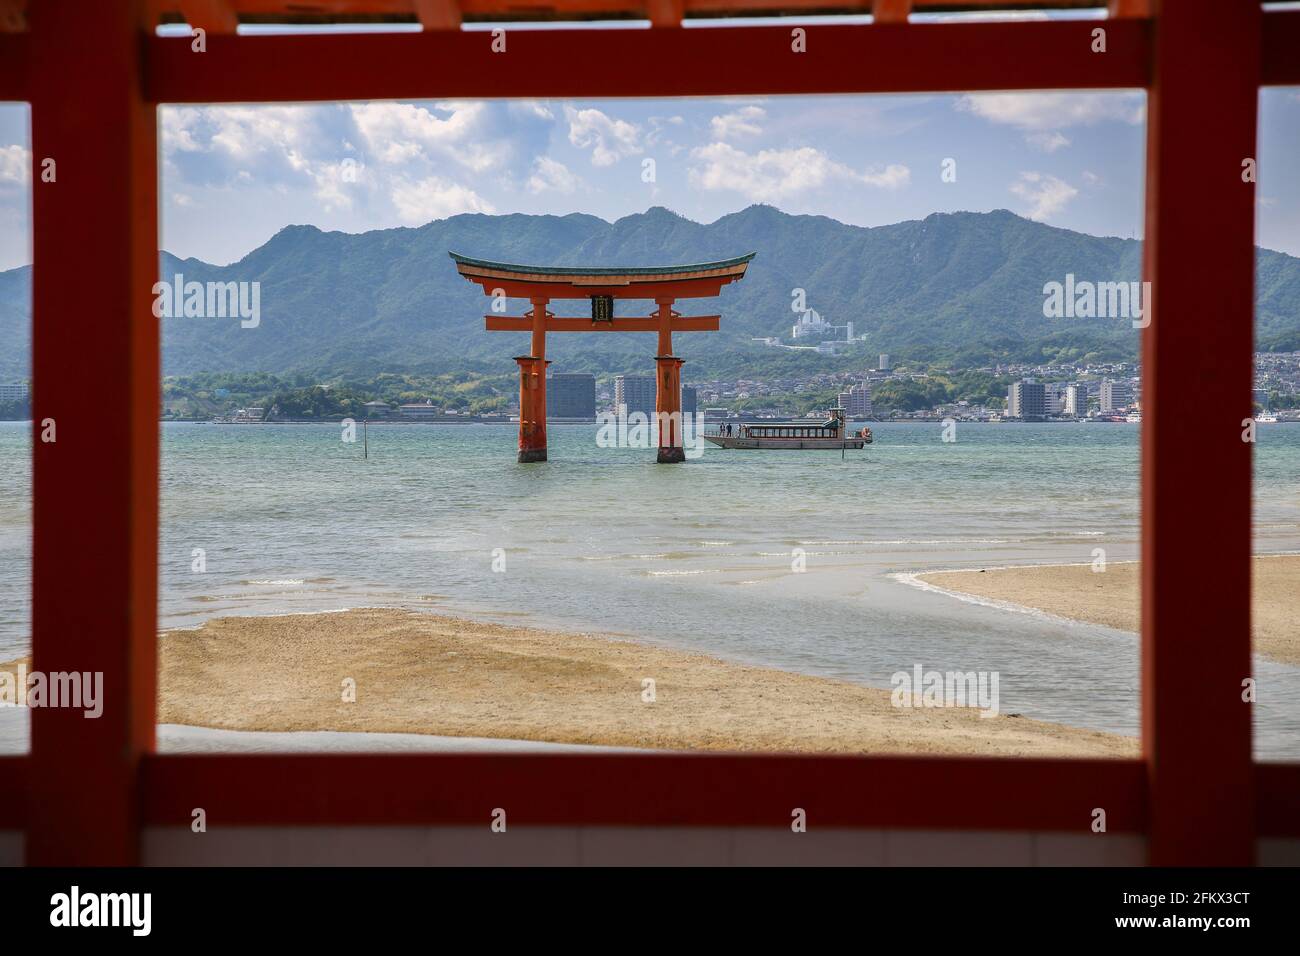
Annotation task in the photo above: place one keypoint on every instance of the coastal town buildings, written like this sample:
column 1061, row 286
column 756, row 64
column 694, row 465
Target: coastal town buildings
column 571, row 395
column 1027, row 400
column 856, row 402
column 1116, row 396
column 421, row 411
column 636, row 392
column 690, row 400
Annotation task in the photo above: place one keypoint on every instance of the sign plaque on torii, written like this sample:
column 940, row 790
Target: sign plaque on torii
column 540, row 284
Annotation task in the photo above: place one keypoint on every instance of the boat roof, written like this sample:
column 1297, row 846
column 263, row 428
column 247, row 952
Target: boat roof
column 801, row 423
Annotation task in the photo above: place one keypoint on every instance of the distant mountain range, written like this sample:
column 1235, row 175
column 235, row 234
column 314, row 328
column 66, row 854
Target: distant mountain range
column 964, row 287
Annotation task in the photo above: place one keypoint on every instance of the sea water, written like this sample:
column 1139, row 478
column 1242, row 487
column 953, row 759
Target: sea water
column 795, row 560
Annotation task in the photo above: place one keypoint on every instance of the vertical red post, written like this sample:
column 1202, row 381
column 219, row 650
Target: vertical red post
column 1196, row 470
column 532, row 408
column 668, row 390
column 668, row 409
column 532, row 391
column 96, row 400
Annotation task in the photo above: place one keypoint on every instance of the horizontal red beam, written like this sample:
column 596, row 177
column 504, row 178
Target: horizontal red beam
column 645, row 790
column 295, row 789
column 686, row 323
column 845, row 58
column 176, row 74
column 1280, row 53
column 341, row 10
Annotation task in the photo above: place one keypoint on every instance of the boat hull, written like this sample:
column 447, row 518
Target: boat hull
column 785, row 444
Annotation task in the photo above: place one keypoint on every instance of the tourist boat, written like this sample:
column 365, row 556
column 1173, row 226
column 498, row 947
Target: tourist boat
column 830, row 434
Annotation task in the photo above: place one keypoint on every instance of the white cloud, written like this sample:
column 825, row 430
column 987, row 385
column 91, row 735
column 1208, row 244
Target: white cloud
column 1046, row 195
column 399, row 133
column 534, row 108
column 609, row 139
column 773, row 174
column 178, row 134
column 892, row 176
column 1054, row 111
column 1090, row 178
column 335, row 182
column 346, row 155
column 1049, row 141
column 551, row 175
column 245, row 132
column 743, row 122
column 660, row 127
column 435, row 198
column 15, row 165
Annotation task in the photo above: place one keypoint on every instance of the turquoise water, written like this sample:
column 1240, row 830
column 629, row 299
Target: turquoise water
column 699, row 556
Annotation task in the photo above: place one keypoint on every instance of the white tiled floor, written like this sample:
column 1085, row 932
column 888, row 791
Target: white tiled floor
column 629, row 846
column 1278, row 852
column 11, row 848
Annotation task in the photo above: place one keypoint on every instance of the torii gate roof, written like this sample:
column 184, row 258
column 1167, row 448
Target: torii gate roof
column 697, row 280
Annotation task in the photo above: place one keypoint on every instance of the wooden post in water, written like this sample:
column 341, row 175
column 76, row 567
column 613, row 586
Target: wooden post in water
column 668, row 390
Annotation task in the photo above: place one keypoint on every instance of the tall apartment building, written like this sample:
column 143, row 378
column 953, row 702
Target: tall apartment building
column 883, row 364
column 1027, row 400
column 1115, row 396
column 856, row 402
column 1076, row 400
column 571, row 395
column 1054, row 396
column 637, row 392
column 690, row 400
column 13, row 393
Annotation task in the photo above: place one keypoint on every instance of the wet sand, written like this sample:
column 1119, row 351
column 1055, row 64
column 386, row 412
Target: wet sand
column 1110, row 598
column 428, row 674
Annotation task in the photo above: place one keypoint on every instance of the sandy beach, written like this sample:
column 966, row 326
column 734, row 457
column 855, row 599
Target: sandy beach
column 1110, row 598
column 422, row 673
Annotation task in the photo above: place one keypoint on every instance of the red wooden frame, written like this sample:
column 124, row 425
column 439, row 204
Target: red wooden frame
column 95, row 73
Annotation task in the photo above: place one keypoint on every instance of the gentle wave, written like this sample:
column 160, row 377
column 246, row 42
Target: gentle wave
column 912, row 579
column 665, row 574
column 911, row 541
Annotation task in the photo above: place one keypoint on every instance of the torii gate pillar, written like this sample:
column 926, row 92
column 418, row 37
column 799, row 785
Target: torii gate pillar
column 532, row 407
column 668, row 406
column 668, row 390
column 532, row 390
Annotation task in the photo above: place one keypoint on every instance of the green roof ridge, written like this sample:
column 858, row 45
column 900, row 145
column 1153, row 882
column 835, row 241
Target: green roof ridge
column 601, row 270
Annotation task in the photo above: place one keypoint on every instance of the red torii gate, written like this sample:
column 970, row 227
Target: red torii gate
column 540, row 284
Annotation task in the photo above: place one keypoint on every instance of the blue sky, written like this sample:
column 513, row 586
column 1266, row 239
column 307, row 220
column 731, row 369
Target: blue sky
column 232, row 176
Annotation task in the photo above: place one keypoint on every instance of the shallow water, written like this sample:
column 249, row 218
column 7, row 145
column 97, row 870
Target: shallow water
column 700, row 556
